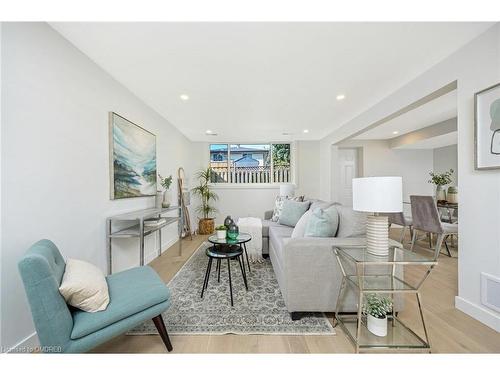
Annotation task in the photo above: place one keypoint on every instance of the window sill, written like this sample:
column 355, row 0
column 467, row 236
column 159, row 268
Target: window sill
column 223, row 186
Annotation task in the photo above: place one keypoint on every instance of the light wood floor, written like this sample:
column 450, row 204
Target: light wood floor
column 450, row 330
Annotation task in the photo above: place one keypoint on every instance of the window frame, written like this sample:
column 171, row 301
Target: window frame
column 256, row 184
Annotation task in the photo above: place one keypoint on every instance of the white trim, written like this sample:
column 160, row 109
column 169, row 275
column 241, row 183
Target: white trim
column 31, row 341
column 243, row 185
column 485, row 316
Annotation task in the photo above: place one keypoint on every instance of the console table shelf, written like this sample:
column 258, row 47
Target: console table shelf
column 139, row 230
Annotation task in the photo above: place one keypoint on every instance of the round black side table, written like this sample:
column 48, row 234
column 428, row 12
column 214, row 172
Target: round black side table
column 226, row 249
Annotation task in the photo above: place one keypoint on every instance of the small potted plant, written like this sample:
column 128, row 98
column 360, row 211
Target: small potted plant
column 376, row 309
column 440, row 180
column 165, row 183
column 221, row 232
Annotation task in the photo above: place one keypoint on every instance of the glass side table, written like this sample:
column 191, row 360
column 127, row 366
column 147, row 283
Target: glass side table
column 381, row 275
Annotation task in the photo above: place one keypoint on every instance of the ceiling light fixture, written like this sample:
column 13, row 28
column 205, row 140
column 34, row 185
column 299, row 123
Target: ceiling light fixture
column 306, row 131
column 395, row 132
column 340, row 97
column 208, row 131
column 184, row 97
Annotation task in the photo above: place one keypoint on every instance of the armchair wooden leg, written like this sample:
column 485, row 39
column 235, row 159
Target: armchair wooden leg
column 160, row 326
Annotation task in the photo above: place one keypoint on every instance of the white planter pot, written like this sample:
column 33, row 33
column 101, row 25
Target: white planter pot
column 221, row 234
column 377, row 326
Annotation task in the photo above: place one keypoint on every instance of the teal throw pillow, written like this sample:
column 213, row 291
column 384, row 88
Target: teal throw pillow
column 322, row 223
column 292, row 211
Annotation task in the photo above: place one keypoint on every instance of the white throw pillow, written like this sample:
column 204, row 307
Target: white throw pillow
column 84, row 286
column 300, row 227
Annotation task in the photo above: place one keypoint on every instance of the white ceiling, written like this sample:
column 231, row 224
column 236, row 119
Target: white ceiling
column 437, row 110
column 443, row 140
column 254, row 81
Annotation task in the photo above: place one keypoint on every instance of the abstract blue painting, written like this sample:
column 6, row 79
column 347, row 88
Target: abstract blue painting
column 132, row 159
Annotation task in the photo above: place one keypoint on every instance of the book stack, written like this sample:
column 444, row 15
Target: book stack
column 156, row 222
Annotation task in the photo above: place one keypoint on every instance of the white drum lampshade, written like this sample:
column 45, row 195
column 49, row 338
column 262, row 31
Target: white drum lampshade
column 287, row 190
column 377, row 195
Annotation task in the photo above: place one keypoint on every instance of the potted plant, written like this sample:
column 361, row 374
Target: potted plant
column 221, row 231
column 207, row 197
column 376, row 309
column 165, row 183
column 440, row 180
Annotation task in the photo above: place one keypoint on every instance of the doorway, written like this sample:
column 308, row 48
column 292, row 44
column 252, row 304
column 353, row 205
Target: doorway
column 348, row 168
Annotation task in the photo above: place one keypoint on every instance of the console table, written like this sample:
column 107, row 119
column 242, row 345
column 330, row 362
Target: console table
column 399, row 335
column 132, row 226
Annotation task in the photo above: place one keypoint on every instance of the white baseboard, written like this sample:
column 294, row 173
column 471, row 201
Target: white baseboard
column 480, row 313
column 25, row 344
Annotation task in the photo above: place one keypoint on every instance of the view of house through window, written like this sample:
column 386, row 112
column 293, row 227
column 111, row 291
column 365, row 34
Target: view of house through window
column 250, row 163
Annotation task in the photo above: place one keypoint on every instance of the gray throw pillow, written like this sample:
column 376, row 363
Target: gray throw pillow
column 351, row 223
column 322, row 223
column 292, row 211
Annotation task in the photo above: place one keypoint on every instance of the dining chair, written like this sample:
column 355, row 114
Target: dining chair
column 426, row 218
column 399, row 218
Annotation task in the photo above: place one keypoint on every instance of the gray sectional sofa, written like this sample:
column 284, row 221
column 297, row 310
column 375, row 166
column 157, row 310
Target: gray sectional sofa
column 306, row 268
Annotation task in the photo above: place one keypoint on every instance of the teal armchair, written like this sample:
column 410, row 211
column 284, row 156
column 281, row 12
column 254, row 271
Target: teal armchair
column 135, row 295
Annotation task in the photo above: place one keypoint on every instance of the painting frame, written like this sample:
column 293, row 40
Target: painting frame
column 115, row 194
column 478, row 107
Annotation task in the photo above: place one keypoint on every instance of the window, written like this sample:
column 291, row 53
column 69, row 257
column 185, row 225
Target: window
column 251, row 163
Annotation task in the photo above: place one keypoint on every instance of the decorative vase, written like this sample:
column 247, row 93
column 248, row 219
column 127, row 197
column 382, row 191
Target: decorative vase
column 158, row 199
column 452, row 194
column 206, row 226
column 167, row 198
column 377, row 326
column 232, row 231
column 440, row 193
column 228, row 221
column 221, row 234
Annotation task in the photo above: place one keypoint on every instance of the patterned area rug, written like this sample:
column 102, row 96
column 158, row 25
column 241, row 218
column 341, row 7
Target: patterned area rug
column 260, row 310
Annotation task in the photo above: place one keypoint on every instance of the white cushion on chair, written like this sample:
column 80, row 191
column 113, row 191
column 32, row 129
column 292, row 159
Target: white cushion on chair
column 84, row 286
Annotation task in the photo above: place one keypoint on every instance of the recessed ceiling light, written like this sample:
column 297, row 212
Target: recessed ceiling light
column 395, row 132
column 208, row 131
column 340, row 97
column 306, row 131
column 184, row 97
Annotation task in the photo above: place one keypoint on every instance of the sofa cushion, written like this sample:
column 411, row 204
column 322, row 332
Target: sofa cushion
column 351, row 223
column 130, row 292
column 300, row 227
column 266, row 224
column 322, row 223
column 292, row 212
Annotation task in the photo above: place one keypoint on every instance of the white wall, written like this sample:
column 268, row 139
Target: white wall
column 55, row 172
column 475, row 67
column 378, row 159
column 446, row 158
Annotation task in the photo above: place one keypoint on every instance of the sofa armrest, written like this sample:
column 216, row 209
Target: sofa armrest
column 268, row 215
column 312, row 272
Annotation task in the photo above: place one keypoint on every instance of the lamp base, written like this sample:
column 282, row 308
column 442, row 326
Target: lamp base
column 377, row 235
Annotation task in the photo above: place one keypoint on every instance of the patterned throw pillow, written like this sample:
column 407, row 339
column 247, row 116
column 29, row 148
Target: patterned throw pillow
column 278, row 205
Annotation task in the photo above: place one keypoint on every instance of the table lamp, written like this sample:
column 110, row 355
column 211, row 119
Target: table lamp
column 287, row 190
column 377, row 195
